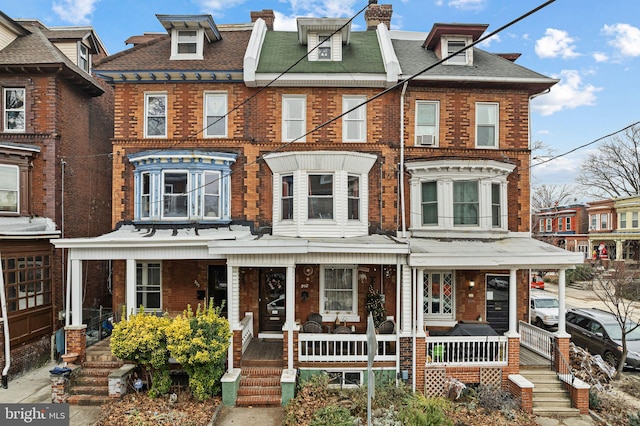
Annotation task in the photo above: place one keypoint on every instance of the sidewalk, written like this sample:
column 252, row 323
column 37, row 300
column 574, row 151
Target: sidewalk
column 35, row 387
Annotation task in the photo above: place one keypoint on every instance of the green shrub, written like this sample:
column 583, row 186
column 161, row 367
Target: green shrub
column 422, row 411
column 199, row 343
column 332, row 415
column 581, row 273
column 142, row 339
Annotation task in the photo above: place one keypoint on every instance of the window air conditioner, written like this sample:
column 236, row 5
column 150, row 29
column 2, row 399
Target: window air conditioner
column 426, row 140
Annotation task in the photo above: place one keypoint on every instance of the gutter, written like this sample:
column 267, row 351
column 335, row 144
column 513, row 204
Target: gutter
column 5, row 325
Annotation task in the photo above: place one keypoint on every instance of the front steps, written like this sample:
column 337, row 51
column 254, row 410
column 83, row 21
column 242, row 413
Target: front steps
column 260, row 386
column 91, row 385
column 550, row 399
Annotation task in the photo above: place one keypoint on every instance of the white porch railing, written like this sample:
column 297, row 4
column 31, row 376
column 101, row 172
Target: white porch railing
column 467, row 350
column 536, row 339
column 325, row 347
column 246, row 325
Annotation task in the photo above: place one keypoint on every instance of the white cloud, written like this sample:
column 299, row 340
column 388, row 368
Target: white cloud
column 467, row 4
column 488, row 42
column 600, row 57
column 76, row 12
column 218, row 5
column 284, row 23
column 626, row 38
column 321, row 8
column 556, row 43
column 570, row 93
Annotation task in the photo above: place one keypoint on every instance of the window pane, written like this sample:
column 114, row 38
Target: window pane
column 287, row 198
column 156, row 115
column 339, row 289
column 216, row 109
column 145, row 198
column 454, row 46
column 212, row 194
column 14, row 109
column 9, row 188
column 293, row 118
column 495, row 205
column 175, row 194
column 465, row 203
column 320, row 200
column 429, row 203
column 353, row 196
column 486, row 124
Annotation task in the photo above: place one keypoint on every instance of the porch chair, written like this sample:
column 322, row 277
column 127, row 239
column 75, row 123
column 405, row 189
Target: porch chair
column 343, row 347
column 314, row 316
column 387, row 327
column 312, row 327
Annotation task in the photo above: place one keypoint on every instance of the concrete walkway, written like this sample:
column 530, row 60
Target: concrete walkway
column 241, row 416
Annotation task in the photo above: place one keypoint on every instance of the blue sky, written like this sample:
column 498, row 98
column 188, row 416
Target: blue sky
column 591, row 45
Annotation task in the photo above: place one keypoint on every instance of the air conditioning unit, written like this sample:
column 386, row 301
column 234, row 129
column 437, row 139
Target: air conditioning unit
column 426, row 140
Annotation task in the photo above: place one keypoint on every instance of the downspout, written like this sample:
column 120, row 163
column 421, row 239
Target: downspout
column 5, row 326
column 414, row 327
column 401, row 171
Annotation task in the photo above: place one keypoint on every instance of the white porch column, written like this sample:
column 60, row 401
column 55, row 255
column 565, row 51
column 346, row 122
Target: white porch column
column 619, row 253
column 406, row 310
column 420, row 304
column 76, row 292
column 562, row 329
column 130, row 286
column 233, row 308
column 291, row 310
column 513, row 304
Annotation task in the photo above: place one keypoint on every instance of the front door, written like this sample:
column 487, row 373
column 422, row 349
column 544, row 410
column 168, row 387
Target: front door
column 498, row 302
column 217, row 287
column 272, row 300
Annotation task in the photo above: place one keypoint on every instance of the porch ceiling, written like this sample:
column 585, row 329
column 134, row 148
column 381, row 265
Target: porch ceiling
column 515, row 251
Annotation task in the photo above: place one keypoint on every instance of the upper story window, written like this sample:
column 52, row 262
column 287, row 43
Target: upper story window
column 215, row 114
column 560, row 222
column 634, row 219
column 83, row 57
column 461, row 196
column 14, row 109
column 549, row 225
column 180, row 186
column 155, row 114
column 593, row 222
column 9, row 188
column 427, row 123
column 568, row 224
column 453, row 46
column 486, row 125
column 604, row 220
column 354, row 123
column 187, row 44
column 541, row 225
column 324, row 48
column 623, row 220
column 294, row 118
column 329, row 198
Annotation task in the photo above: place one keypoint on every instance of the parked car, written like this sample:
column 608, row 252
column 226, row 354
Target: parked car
column 537, row 283
column 499, row 283
column 598, row 331
column 544, row 310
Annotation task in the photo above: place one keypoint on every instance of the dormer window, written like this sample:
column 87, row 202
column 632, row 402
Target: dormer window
column 324, row 37
column 324, row 48
column 453, row 45
column 448, row 39
column 186, row 44
column 83, row 57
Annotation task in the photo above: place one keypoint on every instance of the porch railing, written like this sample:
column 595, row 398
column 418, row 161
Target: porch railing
column 467, row 350
column 99, row 324
column 325, row 347
column 246, row 325
column 536, row 339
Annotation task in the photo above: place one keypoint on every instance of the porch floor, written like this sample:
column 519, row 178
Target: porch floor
column 530, row 359
column 263, row 352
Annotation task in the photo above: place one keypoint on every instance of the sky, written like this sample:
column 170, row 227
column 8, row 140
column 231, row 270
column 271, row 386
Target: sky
column 591, row 46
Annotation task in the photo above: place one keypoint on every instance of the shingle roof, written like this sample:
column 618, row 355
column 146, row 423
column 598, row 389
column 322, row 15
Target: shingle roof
column 281, row 49
column 225, row 54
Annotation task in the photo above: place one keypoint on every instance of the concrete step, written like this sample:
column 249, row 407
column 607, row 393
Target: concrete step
column 88, row 399
column 549, row 394
column 557, row 403
column 259, row 401
column 556, row 412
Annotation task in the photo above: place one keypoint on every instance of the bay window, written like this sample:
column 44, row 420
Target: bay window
column 353, row 197
column 286, row 210
column 429, row 203
column 320, row 197
column 465, row 203
column 9, row 188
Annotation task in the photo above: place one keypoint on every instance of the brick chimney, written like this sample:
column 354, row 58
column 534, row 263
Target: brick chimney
column 267, row 15
column 377, row 13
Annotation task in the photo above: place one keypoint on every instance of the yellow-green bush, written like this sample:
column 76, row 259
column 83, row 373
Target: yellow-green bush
column 199, row 343
column 142, row 339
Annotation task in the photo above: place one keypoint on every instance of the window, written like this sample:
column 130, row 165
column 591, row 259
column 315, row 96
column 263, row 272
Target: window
column 634, row 219
column 14, row 110
column 320, row 197
column 211, row 194
column 487, row 125
column 286, row 211
column 353, row 197
column 438, row 301
column 175, row 194
column 324, row 48
column 294, row 124
column 465, row 203
column 541, row 225
column 623, row 220
column 454, row 46
column 496, row 205
column 593, row 219
column 560, row 222
column 186, row 44
column 354, row 123
column 216, row 114
column 155, row 115
column 549, row 225
column 568, row 224
column 83, row 57
column 427, row 123
column 179, row 185
column 345, row 379
column 148, row 287
column 429, row 203
column 9, row 188
column 339, row 290
column 27, row 281
column 603, row 221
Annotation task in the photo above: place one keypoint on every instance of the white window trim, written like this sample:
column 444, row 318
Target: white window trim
column 549, row 225
column 622, row 220
column 86, row 56
column 148, row 95
column 342, row 316
column 634, row 219
column 207, row 95
column 560, row 223
column 145, row 274
column 360, row 122
column 567, row 223
column 5, row 111
column 324, row 44
column 291, row 197
column 359, row 197
column 162, row 194
column 343, row 383
column 8, row 189
column 205, row 193
column 436, row 135
column 496, row 125
column 199, row 44
column 285, row 117
column 432, row 319
column 468, row 53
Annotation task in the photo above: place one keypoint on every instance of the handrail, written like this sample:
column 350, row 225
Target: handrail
column 564, row 370
column 246, row 325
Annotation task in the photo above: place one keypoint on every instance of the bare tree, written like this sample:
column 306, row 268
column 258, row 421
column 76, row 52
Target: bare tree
column 552, row 195
column 614, row 169
column 619, row 291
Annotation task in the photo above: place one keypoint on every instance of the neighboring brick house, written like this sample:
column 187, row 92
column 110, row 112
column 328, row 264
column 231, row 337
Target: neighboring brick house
column 54, row 176
column 295, row 192
column 564, row 226
column 626, row 230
